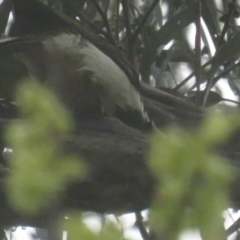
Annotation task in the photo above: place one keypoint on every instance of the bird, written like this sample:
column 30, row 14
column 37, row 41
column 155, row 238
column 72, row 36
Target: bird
column 91, row 81
column 86, row 80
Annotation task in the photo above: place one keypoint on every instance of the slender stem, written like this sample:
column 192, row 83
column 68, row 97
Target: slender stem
column 141, row 227
column 144, row 19
column 233, row 228
column 230, row 100
column 117, row 21
column 228, row 17
column 130, row 47
column 54, row 217
column 198, row 49
column 210, row 82
column 190, row 76
column 105, row 20
column 222, row 74
column 125, row 5
column 107, row 6
column 94, row 27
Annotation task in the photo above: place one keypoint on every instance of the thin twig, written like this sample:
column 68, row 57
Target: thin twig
column 117, row 21
column 134, row 8
column 142, row 23
column 130, row 48
column 168, row 99
column 198, row 50
column 141, row 227
column 190, row 76
column 94, row 27
column 228, row 17
column 233, row 228
column 222, row 74
column 54, row 217
column 107, row 6
column 230, row 100
column 210, row 82
column 125, row 5
column 105, row 20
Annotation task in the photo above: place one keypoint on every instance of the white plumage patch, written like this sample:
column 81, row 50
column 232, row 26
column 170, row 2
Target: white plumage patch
column 62, row 42
column 114, row 86
column 111, row 78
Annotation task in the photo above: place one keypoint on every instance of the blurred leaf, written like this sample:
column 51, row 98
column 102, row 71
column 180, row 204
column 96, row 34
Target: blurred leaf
column 39, row 169
column 192, row 181
column 12, row 71
column 77, row 230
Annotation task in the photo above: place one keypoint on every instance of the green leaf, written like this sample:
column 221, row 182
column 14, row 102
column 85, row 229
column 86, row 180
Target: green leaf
column 193, row 181
column 77, row 230
column 39, row 170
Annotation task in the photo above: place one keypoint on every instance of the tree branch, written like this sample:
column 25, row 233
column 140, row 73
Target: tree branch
column 105, row 20
column 141, row 227
column 142, row 23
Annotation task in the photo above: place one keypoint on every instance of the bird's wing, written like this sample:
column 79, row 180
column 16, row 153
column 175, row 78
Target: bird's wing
column 34, row 17
column 68, row 64
column 68, row 58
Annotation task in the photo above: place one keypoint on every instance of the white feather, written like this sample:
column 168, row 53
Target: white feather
column 114, row 86
column 62, row 42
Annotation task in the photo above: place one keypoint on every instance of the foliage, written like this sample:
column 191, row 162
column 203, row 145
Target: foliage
column 39, row 167
column 160, row 37
column 155, row 37
column 193, row 181
column 77, row 230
